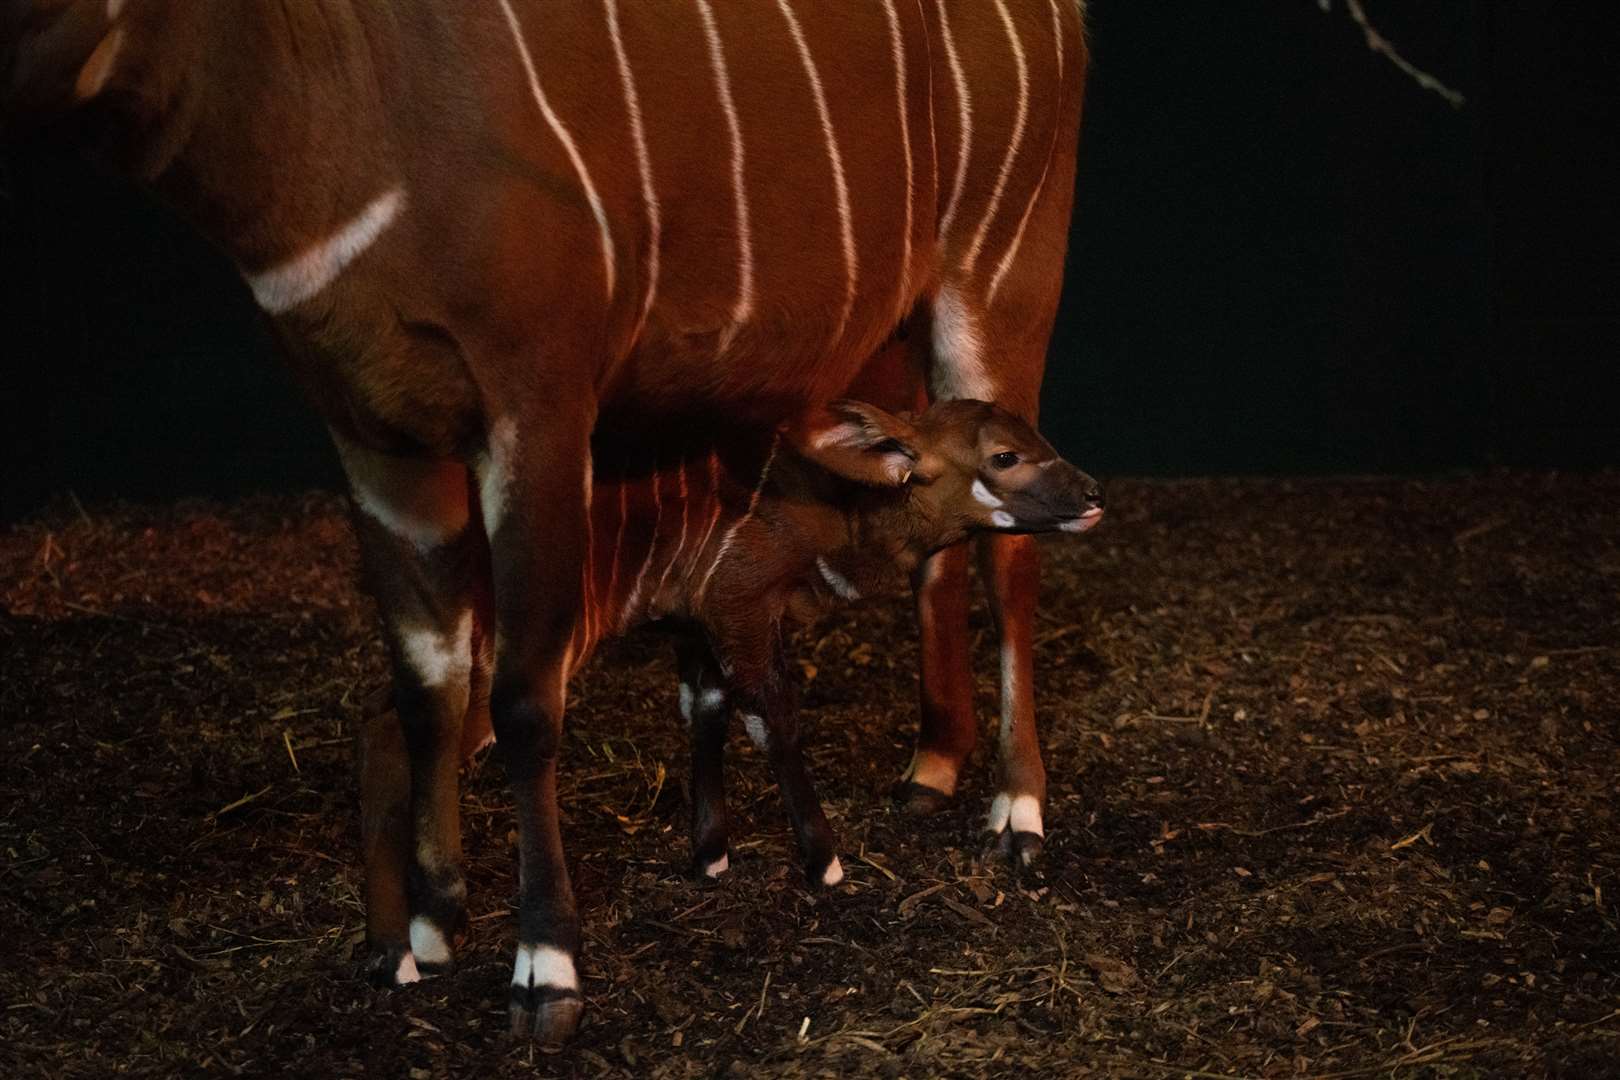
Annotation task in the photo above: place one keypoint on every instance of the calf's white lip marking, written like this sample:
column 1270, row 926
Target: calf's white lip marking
column 1084, row 521
column 718, row 867
column 428, row 943
column 833, row 874
column 1002, row 520
column 757, row 731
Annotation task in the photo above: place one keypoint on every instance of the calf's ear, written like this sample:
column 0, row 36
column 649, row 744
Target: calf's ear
column 857, row 441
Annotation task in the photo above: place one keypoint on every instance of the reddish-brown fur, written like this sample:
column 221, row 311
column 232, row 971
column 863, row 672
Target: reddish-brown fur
column 487, row 309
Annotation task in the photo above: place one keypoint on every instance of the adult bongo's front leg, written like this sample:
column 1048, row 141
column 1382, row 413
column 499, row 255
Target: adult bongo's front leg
column 411, row 517
column 706, row 707
column 533, row 486
column 386, row 842
column 948, row 729
column 1010, row 566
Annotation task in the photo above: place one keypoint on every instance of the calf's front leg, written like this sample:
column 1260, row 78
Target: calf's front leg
column 1010, row 566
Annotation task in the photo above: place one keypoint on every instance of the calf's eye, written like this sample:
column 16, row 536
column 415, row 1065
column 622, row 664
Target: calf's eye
column 1004, row 460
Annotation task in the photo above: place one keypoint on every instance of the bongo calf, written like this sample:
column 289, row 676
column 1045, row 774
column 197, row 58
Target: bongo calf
column 752, row 531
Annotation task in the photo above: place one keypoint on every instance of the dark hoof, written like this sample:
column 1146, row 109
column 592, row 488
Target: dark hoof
column 824, row 872
column 389, row 966
column 710, row 868
column 545, row 1002
column 1021, row 849
column 545, row 1014
column 919, row 799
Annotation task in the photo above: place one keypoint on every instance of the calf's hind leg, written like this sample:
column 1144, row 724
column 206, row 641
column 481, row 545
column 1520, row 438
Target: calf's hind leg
column 765, row 699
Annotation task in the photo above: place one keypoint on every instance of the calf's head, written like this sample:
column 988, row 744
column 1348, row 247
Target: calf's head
column 959, row 467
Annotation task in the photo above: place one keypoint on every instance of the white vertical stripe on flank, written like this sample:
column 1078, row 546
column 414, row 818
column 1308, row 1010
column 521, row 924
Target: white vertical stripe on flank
column 1040, row 185
column 964, row 112
column 567, row 141
column 1020, row 118
column 1057, row 36
column 282, row 288
column 744, row 308
column 631, row 602
column 905, row 139
column 714, row 518
column 681, row 543
column 731, row 533
column 587, row 596
column 846, row 220
column 649, row 196
column 618, row 543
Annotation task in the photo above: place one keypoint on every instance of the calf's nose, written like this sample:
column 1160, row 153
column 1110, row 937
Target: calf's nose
column 1092, row 493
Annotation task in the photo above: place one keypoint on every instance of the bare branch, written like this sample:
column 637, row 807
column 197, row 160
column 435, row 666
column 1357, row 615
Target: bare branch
column 1378, row 43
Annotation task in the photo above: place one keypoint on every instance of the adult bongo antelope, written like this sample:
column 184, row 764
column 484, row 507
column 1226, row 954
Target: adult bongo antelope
column 484, row 229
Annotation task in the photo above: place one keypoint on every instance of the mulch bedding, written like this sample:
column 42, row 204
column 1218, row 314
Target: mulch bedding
column 1332, row 774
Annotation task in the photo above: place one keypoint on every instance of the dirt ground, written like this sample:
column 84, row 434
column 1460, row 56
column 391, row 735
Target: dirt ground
column 1332, row 773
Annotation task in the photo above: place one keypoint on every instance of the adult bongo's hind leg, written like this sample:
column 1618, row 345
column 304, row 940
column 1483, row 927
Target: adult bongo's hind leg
column 948, row 729
column 1010, row 566
column 706, row 708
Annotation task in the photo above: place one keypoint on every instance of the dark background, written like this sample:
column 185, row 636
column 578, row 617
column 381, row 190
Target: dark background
column 1286, row 258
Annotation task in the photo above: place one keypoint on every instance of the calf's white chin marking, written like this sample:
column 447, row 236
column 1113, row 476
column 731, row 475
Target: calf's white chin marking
column 834, row 873
column 282, row 288
column 428, row 943
column 757, row 731
column 1002, row 520
column 544, row 965
column 718, row 867
column 406, row 973
column 1022, row 813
